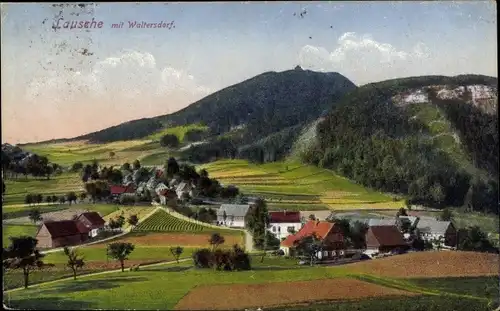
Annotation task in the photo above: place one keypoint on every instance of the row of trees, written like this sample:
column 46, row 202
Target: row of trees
column 70, row 197
column 34, row 165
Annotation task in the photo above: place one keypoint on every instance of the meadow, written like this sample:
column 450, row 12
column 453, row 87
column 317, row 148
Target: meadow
column 294, row 186
column 175, row 283
column 17, row 189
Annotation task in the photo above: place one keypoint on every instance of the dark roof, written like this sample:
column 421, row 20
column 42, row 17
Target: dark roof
column 384, row 236
column 94, row 218
column 62, row 228
column 279, row 217
column 121, row 189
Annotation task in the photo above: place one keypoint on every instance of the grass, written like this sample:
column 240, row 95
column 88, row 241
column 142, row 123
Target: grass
column 127, row 211
column 17, row 230
column 17, row 189
column 293, row 186
column 161, row 221
column 486, row 287
column 419, row 303
column 15, row 211
column 172, row 282
column 179, row 131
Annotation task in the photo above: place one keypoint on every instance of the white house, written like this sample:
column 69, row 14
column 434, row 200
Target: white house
column 158, row 190
column 432, row 230
column 233, row 215
column 182, row 188
column 282, row 224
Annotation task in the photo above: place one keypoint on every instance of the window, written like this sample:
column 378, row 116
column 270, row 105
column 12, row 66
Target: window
column 279, row 229
column 274, row 229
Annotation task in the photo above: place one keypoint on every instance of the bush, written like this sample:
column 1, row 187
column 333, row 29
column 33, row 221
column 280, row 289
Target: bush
column 128, row 199
column 223, row 260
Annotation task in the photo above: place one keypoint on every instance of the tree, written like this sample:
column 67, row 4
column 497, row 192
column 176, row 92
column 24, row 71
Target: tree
column 91, row 189
column 312, row 217
column 401, row 212
column 28, row 199
column 22, row 254
column 71, row 197
column 111, row 154
column 126, row 167
column 224, row 216
column 39, row 198
column 204, row 173
column 473, row 239
column 176, row 252
column 291, row 230
column 120, row 251
column 215, row 240
column 446, row 215
column 83, row 196
column 136, row 164
column 257, row 221
column 62, row 199
column 3, row 187
column 172, row 167
column 75, row 261
column 48, row 199
column 76, row 166
column 169, row 140
column 309, row 246
column 35, row 215
column 133, row 220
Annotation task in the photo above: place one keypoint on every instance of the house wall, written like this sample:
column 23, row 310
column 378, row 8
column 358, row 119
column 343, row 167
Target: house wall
column 44, row 238
column 281, row 229
column 238, row 222
column 69, row 240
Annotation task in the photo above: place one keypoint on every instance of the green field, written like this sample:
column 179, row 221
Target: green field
column 173, row 282
column 179, row 131
column 421, row 303
column 293, row 186
column 17, row 230
column 161, row 221
column 16, row 189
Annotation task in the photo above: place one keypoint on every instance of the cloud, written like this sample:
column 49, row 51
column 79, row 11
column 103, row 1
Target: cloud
column 356, row 54
column 128, row 75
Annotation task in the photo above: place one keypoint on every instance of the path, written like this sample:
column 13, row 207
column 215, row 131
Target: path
column 125, row 231
column 248, row 236
column 98, row 273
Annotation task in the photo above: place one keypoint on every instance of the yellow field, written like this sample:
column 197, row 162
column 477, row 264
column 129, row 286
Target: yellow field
column 140, row 211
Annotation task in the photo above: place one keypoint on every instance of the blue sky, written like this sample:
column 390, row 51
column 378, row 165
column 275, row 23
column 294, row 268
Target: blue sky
column 136, row 73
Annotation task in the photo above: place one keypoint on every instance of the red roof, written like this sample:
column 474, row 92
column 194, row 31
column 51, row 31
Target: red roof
column 379, row 236
column 279, row 217
column 121, row 189
column 94, row 218
column 63, row 228
column 321, row 229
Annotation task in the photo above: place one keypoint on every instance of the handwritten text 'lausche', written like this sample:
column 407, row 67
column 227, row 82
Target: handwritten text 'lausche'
column 93, row 24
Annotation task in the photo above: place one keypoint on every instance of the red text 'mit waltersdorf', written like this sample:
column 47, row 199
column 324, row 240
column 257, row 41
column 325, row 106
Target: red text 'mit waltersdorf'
column 94, row 24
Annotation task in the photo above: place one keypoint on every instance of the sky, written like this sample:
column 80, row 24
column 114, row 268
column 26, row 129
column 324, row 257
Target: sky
column 62, row 83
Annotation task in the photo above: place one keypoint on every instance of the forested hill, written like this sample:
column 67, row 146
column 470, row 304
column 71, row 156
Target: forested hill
column 433, row 137
column 262, row 105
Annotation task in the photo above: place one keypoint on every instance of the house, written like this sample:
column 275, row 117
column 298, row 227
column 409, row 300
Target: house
column 152, row 183
column 329, row 233
column 431, row 229
column 173, row 183
column 235, row 215
column 182, row 188
column 116, row 190
column 61, row 233
column 384, row 239
column 281, row 223
column 92, row 222
column 165, row 194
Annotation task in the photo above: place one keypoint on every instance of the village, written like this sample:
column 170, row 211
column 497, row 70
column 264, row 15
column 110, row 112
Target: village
column 311, row 236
